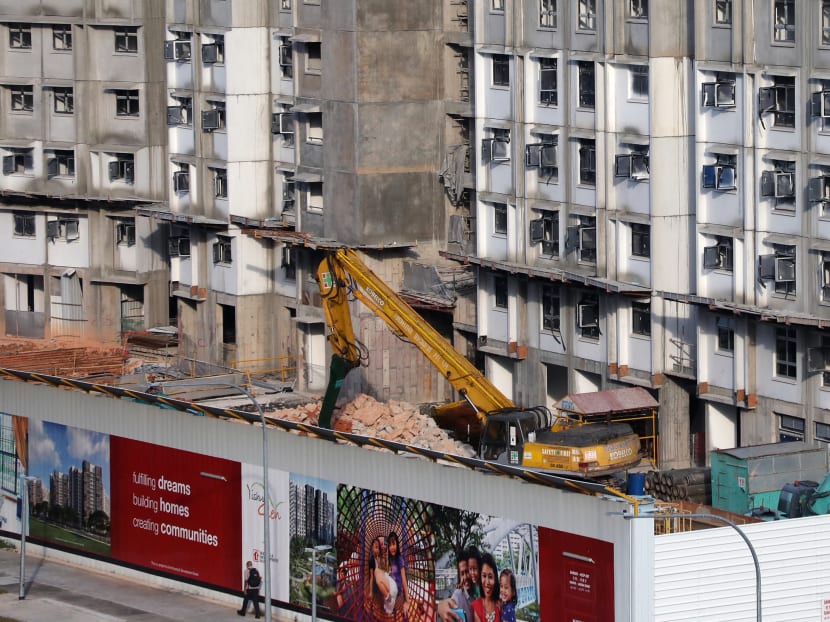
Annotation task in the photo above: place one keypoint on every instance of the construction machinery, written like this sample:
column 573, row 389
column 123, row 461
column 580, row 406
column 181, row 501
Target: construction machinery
column 527, row 437
column 804, row 498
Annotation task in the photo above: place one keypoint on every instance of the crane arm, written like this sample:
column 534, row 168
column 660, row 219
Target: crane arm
column 342, row 272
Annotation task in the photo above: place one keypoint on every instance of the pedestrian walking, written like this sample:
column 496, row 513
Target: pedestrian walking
column 251, row 582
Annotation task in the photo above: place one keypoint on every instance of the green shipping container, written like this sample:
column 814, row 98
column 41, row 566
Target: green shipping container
column 751, row 477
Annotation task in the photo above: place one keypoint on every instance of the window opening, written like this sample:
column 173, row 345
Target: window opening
column 640, row 240
column 547, row 13
column 501, row 70
column 783, row 28
column 587, row 162
column 551, row 308
column 222, row 250
column 126, row 40
column 500, row 291
column 548, row 95
column 586, row 84
column 780, row 268
column 64, row 100
column 726, row 334
column 719, row 256
column 641, row 318
column 500, row 219
column 126, row 103
column 587, row 316
column 778, row 99
column 779, row 184
column 62, row 37
column 722, row 175
column 24, row 225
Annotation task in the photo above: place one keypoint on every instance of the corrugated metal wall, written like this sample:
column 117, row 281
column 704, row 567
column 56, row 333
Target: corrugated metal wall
column 406, row 476
column 709, row 575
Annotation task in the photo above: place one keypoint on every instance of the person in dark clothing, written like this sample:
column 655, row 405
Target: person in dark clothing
column 251, row 583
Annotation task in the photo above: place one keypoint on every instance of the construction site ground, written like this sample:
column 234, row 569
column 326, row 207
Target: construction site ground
column 122, row 365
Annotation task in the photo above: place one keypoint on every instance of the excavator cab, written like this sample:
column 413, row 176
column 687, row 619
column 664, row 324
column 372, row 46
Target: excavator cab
column 507, row 431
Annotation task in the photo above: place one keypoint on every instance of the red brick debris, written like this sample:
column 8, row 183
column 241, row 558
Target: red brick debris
column 394, row 421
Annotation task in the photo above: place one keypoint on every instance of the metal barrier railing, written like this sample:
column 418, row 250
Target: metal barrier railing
column 286, row 368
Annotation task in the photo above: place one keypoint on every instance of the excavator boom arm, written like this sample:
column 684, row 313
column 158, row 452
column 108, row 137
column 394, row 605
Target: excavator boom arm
column 343, row 272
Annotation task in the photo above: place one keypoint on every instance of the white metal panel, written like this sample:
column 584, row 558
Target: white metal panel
column 709, row 575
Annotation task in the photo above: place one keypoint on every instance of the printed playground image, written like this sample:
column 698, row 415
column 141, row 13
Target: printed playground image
column 385, row 565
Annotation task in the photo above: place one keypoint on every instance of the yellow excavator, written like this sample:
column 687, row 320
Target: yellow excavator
column 525, row 437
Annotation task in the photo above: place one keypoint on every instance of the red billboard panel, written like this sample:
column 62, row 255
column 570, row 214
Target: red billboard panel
column 176, row 511
column 577, row 577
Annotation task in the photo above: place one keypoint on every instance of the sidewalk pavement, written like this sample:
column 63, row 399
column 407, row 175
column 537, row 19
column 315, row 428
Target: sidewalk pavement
column 57, row 591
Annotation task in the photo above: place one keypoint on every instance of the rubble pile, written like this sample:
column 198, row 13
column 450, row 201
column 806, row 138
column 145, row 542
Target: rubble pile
column 394, row 421
column 70, row 358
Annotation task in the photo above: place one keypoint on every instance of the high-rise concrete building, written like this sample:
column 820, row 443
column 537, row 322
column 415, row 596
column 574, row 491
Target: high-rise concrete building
column 580, row 194
column 81, row 148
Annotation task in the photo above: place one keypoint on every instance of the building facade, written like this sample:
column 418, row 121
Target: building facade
column 580, row 195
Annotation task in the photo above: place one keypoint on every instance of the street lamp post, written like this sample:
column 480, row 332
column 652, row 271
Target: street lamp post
column 266, row 521
column 321, row 548
column 24, row 528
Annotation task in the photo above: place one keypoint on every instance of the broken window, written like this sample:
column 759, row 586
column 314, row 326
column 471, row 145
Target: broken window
column 213, row 53
column 126, row 103
column 547, row 13
column 640, row 240
column 779, row 100
column 122, row 168
column 587, row 162
column 543, row 156
column 779, row 267
column 548, row 94
column 18, row 162
column 178, row 49
column 497, row 148
column 126, row 40
column 500, row 291
column 721, row 175
column 726, row 334
column 24, row 225
column 587, row 316
column 783, row 27
column 60, row 163
column 214, row 118
column 551, row 308
column 66, row 229
column 181, row 179
column 586, row 86
column 22, row 98
column 62, row 37
column 501, row 70
column 641, row 318
column 633, row 166
column 64, row 100
column 583, row 239
column 125, row 232
column 718, row 94
column 779, row 184
column 181, row 112
column 20, row 36
column 545, row 231
column 222, row 250
column 719, row 256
